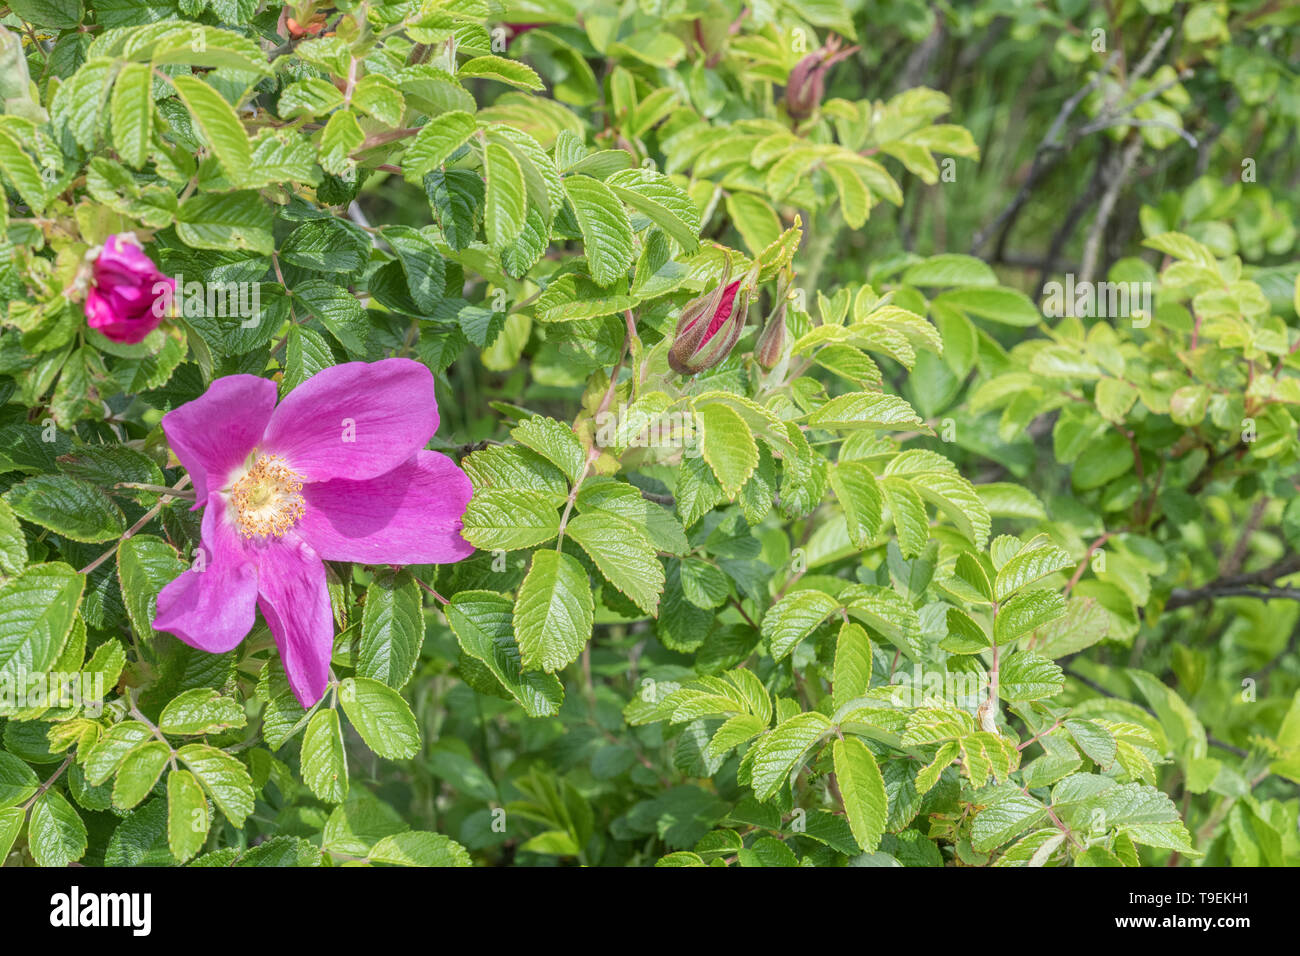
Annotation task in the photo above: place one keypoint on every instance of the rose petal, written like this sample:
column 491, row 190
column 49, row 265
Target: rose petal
column 212, row 609
column 294, row 599
column 356, row 420
column 214, row 434
column 410, row 515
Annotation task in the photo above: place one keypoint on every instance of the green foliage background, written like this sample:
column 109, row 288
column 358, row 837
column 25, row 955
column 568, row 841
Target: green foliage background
column 962, row 580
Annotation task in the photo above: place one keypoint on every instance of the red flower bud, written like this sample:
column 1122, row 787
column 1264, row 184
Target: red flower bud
column 128, row 296
column 709, row 326
column 807, row 84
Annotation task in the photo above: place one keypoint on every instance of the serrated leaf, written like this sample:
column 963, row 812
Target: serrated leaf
column 865, row 410
column 139, row 772
column 225, row 779
column 417, row 848
column 510, row 519
column 37, row 610
column 56, row 834
column 324, row 758
column 727, row 445
column 794, row 617
column 392, row 629
column 382, row 718
column 69, row 507
column 188, row 818
column 483, row 624
column 606, row 229
column 852, row 670
column 623, row 555
column 554, row 612
column 131, row 110
column 200, row 711
column 216, row 120
column 782, row 751
column 863, row 790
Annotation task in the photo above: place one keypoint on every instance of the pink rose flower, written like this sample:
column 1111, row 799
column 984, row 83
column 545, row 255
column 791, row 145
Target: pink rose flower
column 336, row 472
column 128, row 295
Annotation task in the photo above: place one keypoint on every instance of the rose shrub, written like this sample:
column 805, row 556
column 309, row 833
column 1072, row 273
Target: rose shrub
column 694, row 433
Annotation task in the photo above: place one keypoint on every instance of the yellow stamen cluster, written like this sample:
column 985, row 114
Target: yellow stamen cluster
column 266, row 498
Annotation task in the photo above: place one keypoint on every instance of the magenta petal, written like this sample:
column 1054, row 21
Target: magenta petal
column 411, row 515
column 355, row 420
column 213, row 434
column 212, row 609
column 295, row 601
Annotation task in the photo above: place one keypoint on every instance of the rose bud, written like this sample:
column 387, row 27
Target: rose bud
column 128, row 296
column 709, row 327
column 807, row 84
column 770, row 348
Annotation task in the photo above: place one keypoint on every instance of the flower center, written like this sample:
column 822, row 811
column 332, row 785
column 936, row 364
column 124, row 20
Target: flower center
column 266, row 498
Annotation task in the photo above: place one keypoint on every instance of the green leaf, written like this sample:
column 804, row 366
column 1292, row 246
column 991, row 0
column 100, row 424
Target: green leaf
column 998, row 304
column 606, row 229
column 145, row 565
column 131, row 109
column 338, row 310
column 327, row 245
column 950, row 269
column 852, row 672
column 11, row 824
column 483, row 624
column 859, row 495
column 623, row 555
column 863, row 790
column 69, row 507
column 727, row 445
column 17, row 781
column 754, row 219
column 794, row 617
column 21, row 170
column 324, row 758
column 49, row 14
column 310, row 97
column 865, row 410
column 1036, row 560
column 782, row 751
column 188, row 817
column 382, row 718
column 37, row 609
column 554, row 612
column 238, row 220
column 139, row 772
column 502, row 70
column 200, row 711
column 13, row 544
column 107, row 755
column 216, row 120
column 341, row 137
column 1007, row 813
column 224, row 778
column 661, row 200
column 554, row 441
column 417, row 848
column 510, row 519
column 392, row 629
column 910, row 520
column 1026, row 676
column 506, row 196
column 1026, row 612
column 56, row 834
column 436, row 141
